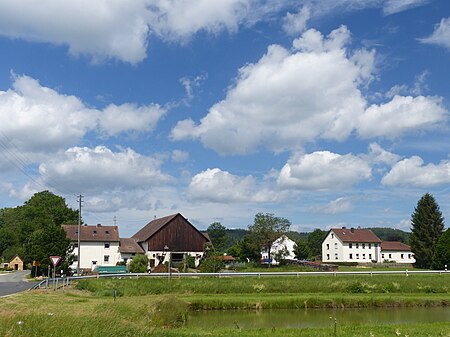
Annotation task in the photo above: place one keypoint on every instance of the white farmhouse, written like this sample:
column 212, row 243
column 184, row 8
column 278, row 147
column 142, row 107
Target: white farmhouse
column 99, row 245
column 363, row 246
column 282, row 243
column 351, row 245
column 397, row 252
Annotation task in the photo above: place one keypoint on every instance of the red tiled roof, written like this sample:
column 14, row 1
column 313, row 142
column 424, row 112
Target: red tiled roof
column 395, row 246
column 356, row 235
column 92, row 233
column 152, row 227
column 129, row 245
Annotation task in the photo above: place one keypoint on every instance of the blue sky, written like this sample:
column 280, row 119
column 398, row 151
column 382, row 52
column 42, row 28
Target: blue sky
column 326, row 113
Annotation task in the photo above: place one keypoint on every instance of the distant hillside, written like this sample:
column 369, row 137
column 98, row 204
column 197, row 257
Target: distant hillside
column 391, row 234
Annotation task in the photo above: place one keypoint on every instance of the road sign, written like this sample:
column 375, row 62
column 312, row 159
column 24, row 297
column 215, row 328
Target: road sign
column 55, row 260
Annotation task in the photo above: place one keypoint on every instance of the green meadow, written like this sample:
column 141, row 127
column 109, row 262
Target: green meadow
column 161, row 307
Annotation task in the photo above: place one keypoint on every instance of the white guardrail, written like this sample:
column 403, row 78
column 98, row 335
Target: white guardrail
column 64, row 281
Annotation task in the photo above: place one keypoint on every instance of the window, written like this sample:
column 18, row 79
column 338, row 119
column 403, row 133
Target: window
column 364, row 245
column 409, row 256
column 350, row 256
column 335, row 245
column 336, row 256
column 328, row 256
column 328, row 246
column 106, row 245
column 357, row 245
column 364, row 256
column 357, row 256
column 401, row 255
column 382, row 256
column 370, row 256
column 350, row 245
column 106, row 232
column 106, row 258
column 75, row 244
column 94, row 232
column 94, row 263
column 332, row 235
column 376, row 245
column 370, row 245
column 390, row 256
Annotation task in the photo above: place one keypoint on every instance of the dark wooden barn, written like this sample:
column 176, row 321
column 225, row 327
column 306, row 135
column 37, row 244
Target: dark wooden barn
column 173, row 233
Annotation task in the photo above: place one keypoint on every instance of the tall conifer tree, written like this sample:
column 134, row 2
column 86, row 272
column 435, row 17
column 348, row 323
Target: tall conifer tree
column 427, row 226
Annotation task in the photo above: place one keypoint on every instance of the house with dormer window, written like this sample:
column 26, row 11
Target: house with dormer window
column 99, row 245
column 362, row 246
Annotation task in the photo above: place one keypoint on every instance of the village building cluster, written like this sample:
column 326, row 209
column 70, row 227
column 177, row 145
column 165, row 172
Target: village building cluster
column 173, row 237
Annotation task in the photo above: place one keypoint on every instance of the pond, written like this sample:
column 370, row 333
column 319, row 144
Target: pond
column 315, row 317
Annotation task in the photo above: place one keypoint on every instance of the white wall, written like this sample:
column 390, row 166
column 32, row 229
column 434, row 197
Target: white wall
column 334, row 250
column 398, row 257
column 96, row 251
column 278, row 245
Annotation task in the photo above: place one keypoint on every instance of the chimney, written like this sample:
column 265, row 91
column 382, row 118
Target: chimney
column 344, row 227
column 99, row 225
column 352, row 230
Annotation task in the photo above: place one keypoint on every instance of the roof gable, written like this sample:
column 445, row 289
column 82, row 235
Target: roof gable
column 156, row 225
column 355, row 235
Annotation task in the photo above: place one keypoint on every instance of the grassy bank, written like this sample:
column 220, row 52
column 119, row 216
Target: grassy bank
column 75, row 313
column 312, row 284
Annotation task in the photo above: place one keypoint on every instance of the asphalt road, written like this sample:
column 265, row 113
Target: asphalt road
column 11, row 283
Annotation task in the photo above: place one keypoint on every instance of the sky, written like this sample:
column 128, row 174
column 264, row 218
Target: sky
column 327, row 113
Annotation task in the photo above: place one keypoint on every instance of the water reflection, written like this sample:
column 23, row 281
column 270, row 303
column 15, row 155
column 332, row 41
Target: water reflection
column 316, row 317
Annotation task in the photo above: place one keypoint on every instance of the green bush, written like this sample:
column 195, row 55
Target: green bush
column 139, row 264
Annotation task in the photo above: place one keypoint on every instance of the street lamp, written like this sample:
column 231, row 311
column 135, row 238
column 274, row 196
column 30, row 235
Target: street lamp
column 166, row 249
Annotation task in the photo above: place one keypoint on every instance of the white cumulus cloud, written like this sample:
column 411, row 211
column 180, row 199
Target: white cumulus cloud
column 35, row 119
column 401, row 115
column 414, row 173
column 323, row 171
column 215, row 185
column 288, row 98
column 100, row 169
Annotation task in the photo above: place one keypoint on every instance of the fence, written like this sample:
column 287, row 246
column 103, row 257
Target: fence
column 65, row 281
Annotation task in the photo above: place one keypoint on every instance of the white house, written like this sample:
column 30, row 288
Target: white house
column 351, row 245
column 280, row 244
column 99, row 245
column 397, row 252
column 362, row 246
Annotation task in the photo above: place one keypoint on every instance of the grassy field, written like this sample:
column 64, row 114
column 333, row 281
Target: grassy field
column 159, row 307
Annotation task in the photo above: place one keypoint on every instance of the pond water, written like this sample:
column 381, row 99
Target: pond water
column 315, row 317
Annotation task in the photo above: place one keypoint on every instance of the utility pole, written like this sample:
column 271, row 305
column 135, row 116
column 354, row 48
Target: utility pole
column 80, row 200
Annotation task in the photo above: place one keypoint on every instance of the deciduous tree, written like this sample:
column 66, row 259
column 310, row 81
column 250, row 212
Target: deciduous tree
column 265, row 230
column 301, row 250
column 218, row 235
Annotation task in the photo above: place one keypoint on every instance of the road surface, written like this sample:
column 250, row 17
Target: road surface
column 14, row 282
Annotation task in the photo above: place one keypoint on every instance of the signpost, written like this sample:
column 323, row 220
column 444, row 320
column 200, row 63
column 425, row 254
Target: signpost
column 55, row 260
